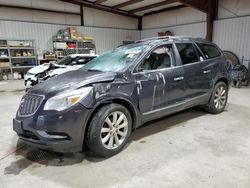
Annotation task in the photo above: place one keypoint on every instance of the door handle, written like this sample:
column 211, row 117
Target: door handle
column 178, row 78
column 206, row 71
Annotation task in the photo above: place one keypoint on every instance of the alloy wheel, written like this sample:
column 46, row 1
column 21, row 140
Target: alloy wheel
column 220, row 97
column 114, row 130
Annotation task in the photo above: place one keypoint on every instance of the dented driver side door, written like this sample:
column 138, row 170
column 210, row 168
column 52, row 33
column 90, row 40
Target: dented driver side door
column 150, row 89
column 161, row 91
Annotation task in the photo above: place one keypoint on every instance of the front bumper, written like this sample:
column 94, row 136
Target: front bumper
column 52, row 130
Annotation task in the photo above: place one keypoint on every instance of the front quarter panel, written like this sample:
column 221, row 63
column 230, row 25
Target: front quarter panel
column 122, row 88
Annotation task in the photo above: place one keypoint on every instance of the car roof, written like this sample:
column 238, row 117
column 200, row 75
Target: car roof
column 172, row 39
column 82, row 55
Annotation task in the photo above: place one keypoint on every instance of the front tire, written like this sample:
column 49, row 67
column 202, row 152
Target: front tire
column 218, row 99
column 109, row 130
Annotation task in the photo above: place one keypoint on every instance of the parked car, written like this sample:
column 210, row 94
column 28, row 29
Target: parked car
column 48, row 70
column 100, row 104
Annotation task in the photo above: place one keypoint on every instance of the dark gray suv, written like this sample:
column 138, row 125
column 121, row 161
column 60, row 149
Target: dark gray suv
column 100, row 104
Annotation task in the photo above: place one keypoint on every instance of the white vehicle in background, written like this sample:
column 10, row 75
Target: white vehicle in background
column 48, row 70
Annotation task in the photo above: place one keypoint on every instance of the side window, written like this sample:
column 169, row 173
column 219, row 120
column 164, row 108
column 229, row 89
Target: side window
column 209, row 50
column 187, row 52
column 158, row 59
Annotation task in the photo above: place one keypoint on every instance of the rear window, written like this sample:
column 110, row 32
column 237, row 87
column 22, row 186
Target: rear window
column 209, row 50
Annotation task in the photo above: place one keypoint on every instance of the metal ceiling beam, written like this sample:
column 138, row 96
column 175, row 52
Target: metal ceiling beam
column 99, row 1
column 140, row 23
column 101, row 7
column 201, row 5
column 165, row 9
column 125, row 4
column 82, row 15
column 167, row 2
column 210, row 7
column 38, row 9
column 211, row 15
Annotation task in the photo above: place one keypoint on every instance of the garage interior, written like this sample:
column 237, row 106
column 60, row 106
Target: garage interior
column 189, row 149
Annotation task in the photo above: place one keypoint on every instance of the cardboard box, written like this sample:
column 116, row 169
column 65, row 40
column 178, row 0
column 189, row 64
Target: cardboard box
column 73, row 33
column 50, row 56
column 4, row 64
column 88, row 38
column 60, row 45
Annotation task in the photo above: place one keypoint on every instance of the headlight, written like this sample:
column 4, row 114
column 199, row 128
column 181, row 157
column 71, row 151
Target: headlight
column 65, row 100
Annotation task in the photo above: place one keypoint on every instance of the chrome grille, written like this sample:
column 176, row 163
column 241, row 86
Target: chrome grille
column 29, row 104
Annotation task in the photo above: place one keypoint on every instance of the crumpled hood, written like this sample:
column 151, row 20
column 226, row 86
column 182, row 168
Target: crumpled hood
column 71, row 80
column 63, row 70
column 39, row 69
column 42, row 68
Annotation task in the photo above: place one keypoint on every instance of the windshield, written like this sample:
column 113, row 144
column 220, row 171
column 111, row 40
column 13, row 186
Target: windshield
column 115, row 60
column 65, row 61
column 81, row 60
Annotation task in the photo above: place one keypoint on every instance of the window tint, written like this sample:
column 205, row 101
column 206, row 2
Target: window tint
column 159, row 59
column 187, row 52
column 209, row 50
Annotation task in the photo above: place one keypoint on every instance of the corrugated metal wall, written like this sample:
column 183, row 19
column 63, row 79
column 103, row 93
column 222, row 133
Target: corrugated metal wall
column 234, row 35
column 181, row 16
column 98, row 18
column 231, row 34
column 105, row 39
column 195, row 29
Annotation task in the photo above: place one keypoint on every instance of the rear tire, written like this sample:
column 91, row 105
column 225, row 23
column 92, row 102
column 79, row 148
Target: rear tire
column 218, row 99
column 109, row 130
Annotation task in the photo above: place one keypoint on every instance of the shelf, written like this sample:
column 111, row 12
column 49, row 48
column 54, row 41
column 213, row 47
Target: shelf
column 46, row 59
column 4, row 68
column 86, row 48
column 17, row 48
column 17, row 63
column 21, row 48
column 22, row 67
column 64, row 48
column 23, row 57
column 72, row 40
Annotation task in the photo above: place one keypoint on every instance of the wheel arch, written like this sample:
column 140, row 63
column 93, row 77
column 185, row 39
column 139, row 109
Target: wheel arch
column 210, row 107
column 222, row 79
column 120, row 101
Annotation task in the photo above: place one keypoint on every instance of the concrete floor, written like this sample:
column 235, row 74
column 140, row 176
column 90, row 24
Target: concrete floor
column 188, row 149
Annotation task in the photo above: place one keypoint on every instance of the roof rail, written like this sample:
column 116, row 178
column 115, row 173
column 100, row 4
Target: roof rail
column 163, row 37
column 153, row 38
column 180, row 37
